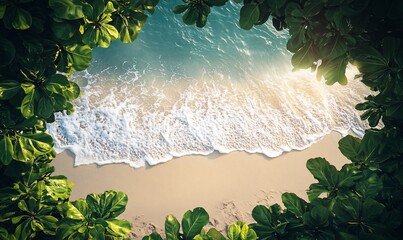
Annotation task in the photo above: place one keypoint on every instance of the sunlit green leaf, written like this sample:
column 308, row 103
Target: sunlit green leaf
column 67, row 9
column 120, row 227
column 79, row 56
column 304, row 57
column 172, row 227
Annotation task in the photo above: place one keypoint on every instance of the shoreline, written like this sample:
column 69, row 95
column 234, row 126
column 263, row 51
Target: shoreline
column 228, row 185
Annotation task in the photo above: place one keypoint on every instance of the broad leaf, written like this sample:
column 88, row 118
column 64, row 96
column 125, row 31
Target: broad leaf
column 67, row 9
column 119, row 227
column 6, row 150
column 193, row 222
column 262, row 215
column 172, row 227
column 153, row 236
column 294, row 204
column 8, row 89
column 21, row 19
column 215, row 235
column 349, row 146
column 304, row 57
column 234, row 232
column 249, row 15
column 28, row 104
column 79, row 56
column 322, row 171
column 45, row 106
column 28, row 146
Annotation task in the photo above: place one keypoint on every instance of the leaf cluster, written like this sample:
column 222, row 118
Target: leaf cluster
column 362, row 200
column 193, row 223
column 41, row 44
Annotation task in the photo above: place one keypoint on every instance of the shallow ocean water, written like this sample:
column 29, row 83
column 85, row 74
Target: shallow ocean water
column 178, row 90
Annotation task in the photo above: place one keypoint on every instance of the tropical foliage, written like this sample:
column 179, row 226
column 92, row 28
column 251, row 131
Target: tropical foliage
column 41, row 44
column 363, row 200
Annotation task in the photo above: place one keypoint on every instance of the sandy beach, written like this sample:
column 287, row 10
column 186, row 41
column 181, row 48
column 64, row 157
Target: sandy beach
column 228, row 186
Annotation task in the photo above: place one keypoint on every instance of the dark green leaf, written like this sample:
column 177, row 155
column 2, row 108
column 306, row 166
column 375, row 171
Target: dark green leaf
column 261, row 215
column 8, row 89
column 249, row 15
column 335, row 71
column 190, row 17
column 325, row 173
column 45, row 106
column 152, row 236
column 333, row 47
column 67, row 9
column 7, row 52
column 180, row 9
column 6, row 150
column 193, row 222
column 22, row 19
column 304, row 57
column 294, row 204
column 172, row 227
column 349, row 146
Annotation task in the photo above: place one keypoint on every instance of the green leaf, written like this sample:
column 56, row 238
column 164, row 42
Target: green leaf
column 180, row 9
column 2, row 11
column 57, row 188
column 218, row 2
column 153, row 236
column 79, row 56
column 23, row 230
column 76, row 210
column 172, row 227
column 294, row 204
column 276, row 5
column 28, row 146
column 28, row 104
column 8, row 89
column 107, row 34
column 7, row 52
column 215, row 234
column 334, row 71
column 45, row 106
column 262, row 215
column 22, row 19
column 234, row 232
column 67, row 9
column 349, row 146
column 325, row 173
column 320, row 215
column 193, row 222
column 190, row 17
column 249, row 15
column 63, row 30
column 6, row 150
column 119, row 227
column 304, row 57
column 390, row 47
column 333, row 47
column 109, row 204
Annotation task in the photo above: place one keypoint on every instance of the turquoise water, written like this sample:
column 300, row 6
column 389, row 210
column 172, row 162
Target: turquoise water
column 178, row 90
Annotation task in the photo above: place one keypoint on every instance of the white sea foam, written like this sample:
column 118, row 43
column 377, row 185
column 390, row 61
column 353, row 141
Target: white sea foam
column 137, row 122
column 180, row 90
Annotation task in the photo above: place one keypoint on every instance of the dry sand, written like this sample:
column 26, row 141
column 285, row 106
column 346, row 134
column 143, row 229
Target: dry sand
column 228, row 186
